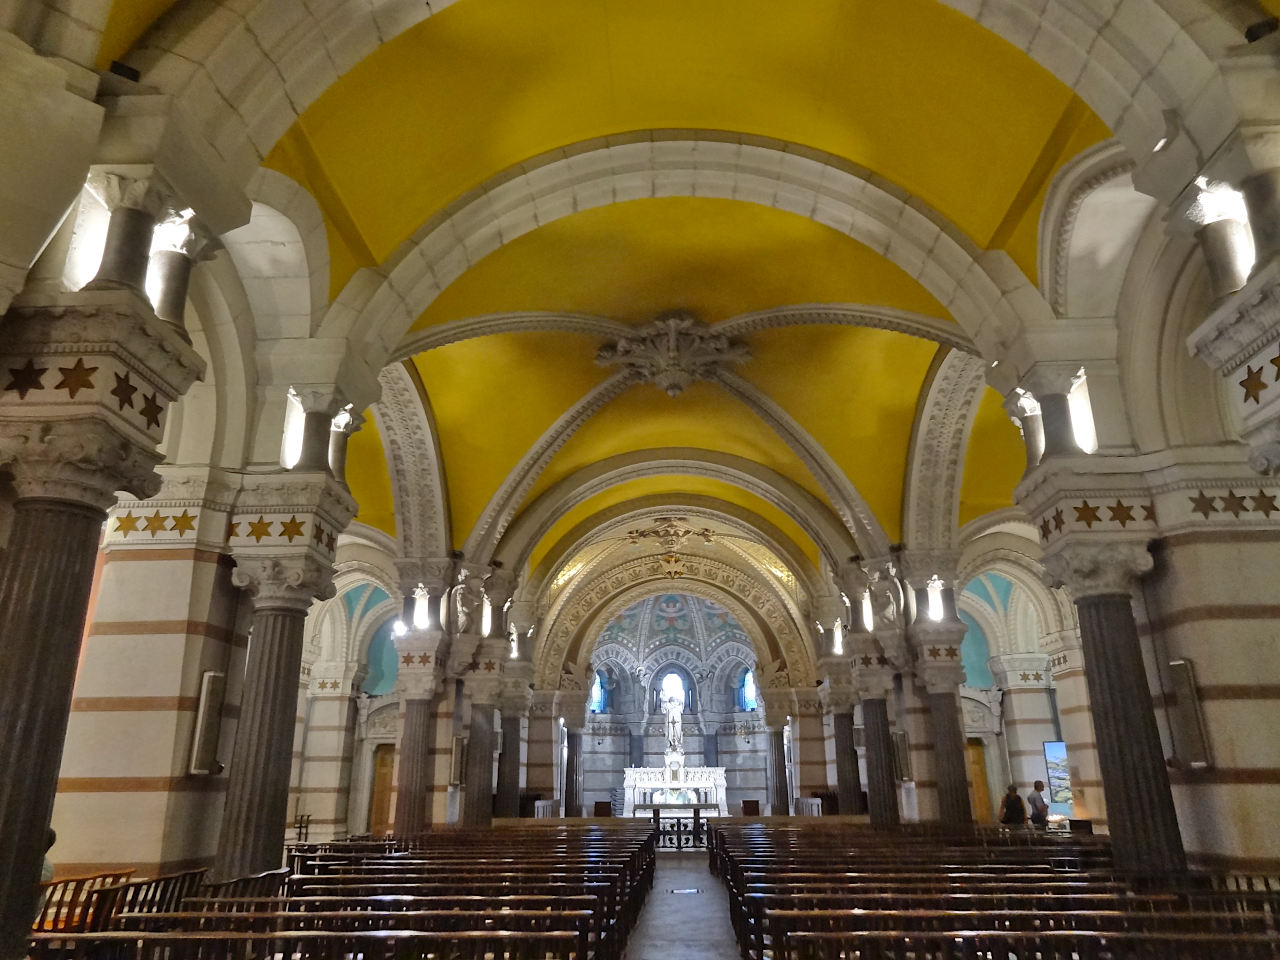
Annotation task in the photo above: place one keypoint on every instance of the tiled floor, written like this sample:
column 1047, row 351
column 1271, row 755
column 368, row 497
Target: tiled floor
column 684, row 926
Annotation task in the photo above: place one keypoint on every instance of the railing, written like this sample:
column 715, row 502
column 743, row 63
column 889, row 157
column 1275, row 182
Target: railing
column 681, row 833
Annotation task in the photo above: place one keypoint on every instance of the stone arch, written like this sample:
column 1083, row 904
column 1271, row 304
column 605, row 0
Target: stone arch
column 810, row 514
column 581, row 615
column 984, row 291
column 939, row 438
column 250, row 72
column 647, row 509
column 1022, row 567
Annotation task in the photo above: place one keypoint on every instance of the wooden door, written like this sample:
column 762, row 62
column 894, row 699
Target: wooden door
column 384, row 756
column 975, row 760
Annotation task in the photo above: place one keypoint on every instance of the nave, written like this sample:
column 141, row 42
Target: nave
column 806, row 889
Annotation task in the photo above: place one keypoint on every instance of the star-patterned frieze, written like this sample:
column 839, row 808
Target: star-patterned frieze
column 182, row 523
column 76, row 378
column 490, row 666
column 1121, row 513
column 1233, row 504
column 156, row 523
column 233, row 529
column 1059, row 521
column 259, row 528
column 127, row 524
column 865, row 661
column 151, row 410
column 1264, row 503
column 123, row 391
column 1044, row 529
column 26, row 378
column 934, row 653
column 1149, row 512
column 424, row 659
column 1087, row 514
column 291, row 528
column 1202, row 504
column 1253, row 385
column 407, row 659
column 952, row 652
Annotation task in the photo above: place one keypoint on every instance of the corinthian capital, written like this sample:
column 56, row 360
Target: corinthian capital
column 1098, row 569
column 291, row 582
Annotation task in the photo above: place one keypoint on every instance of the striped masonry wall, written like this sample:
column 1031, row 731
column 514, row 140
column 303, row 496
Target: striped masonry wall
column 808, row 744
column 1212, row 600
column 1076, row 716
column 542, row 752
column 139, row 685
column 1028, row 723
column 328, row 748
column 913, row 717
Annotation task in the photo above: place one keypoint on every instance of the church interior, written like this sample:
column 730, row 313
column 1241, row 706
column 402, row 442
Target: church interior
column 441, row 437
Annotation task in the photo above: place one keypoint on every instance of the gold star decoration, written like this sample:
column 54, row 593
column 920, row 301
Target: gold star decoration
column 882, row 660
column 1026, row 678
column 407, row 659
column 1038, row 675
column 1149, row 512
column 1253, row 385
column 155, row 523
column 1121, row 513
column 151, row 410
column 330, row 541
column 77, row 378
column 124, row 391
column 1087, row 514
column 865, row 661
column 1044, row 529
column 127, row 524
column 259, row 528
column 1202, row 504
column 952, row 653
column 490, row 666
column 424, row 658
column 317, row 533
column 291, row 528
column 934, row 653
column 25, row 379
column 1275, row 362
column 1264, row 503
column 1234, row 504
column 183, row 523
column 233, row 529
column 1058, row 520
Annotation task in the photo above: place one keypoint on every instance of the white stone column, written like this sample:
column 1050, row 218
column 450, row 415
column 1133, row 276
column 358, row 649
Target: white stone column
column 937, row 646
column 419, row 683
column 1028, row 714
column 572, row 706
column 544, row 745
column 1066, row 662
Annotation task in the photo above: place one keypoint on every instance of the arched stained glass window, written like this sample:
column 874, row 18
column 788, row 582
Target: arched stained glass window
column 596, row 703
column 748, row 694
column 673, row 687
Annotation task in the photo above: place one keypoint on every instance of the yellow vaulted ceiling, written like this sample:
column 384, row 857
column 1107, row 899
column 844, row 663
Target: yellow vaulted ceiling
column 993, row 463
column 908, row 88
column 127, row 21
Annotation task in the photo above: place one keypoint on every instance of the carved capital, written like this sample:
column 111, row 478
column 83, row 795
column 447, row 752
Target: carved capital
column 1020, row 670
column 289, row 514
column 920, row 566
column 146, row 192
column 284, row 582
column 572, row 705
column 873, row 682
column 421, row 671
column 82, row 461
column 673, row 352
column 1098, row 569
column 517, row 689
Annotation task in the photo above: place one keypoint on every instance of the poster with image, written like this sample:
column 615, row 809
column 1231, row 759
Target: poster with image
column 1055, row 759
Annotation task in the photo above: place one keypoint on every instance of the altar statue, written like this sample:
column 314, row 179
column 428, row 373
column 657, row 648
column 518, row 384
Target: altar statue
column 673, row 707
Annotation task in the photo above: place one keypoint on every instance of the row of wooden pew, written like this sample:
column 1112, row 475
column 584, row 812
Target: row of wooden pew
column 839, row 891
column 538, row 892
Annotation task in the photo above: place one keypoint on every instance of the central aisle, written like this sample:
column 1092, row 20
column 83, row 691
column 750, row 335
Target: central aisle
column 684, row 926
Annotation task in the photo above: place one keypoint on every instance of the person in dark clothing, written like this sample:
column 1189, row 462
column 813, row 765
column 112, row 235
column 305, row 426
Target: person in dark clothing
column 1013, row 812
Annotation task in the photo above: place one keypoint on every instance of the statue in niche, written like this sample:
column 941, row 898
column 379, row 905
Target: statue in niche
column 468, row 603
column 673, row 706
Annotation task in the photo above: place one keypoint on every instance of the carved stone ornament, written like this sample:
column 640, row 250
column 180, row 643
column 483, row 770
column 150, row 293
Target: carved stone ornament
column 284, row 582
column 422, row 669
column 288, row 514
column 673, row 352
column 148, row 193
column 84, row 386
column 874, row 682
column 1098, row 569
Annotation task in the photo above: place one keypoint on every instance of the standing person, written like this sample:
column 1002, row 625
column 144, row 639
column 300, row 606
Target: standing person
column 1039, row 806
column 1013, row 813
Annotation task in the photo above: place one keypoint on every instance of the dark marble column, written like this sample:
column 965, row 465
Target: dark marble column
column 848, row 778
column 1140, row 813
column 45, row 578
column 948, row 757
column 257, row 805
column 882, row 790
column 477, row 777
column 778, row 792
column 414, row 775
column 573, row 773
column 508, row 802
column 636, row 748
column 711, row 747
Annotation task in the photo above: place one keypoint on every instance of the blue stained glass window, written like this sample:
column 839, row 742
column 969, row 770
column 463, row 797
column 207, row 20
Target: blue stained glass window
column 748, row 695
column 596, row 704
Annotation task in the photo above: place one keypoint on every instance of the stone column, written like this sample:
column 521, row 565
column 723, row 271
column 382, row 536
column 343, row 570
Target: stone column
column 937, row 652
column 1144, row 827
column 477, row 800
column 1262, row 199
column 68, row 446
column 418, row 681
column 136, row 205
column 186, row 243
column 1049, row 384
column 635, row 745
column 282, row 535
column 572, row 705
column 776, row 788
column 1066, row 661
column 874, row 683
column 1028, row 719
column 544, row 745
column 1025, row 412
column 516, row 699
column 839, row 697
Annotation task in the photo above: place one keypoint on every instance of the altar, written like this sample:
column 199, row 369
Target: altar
column 674, row 789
